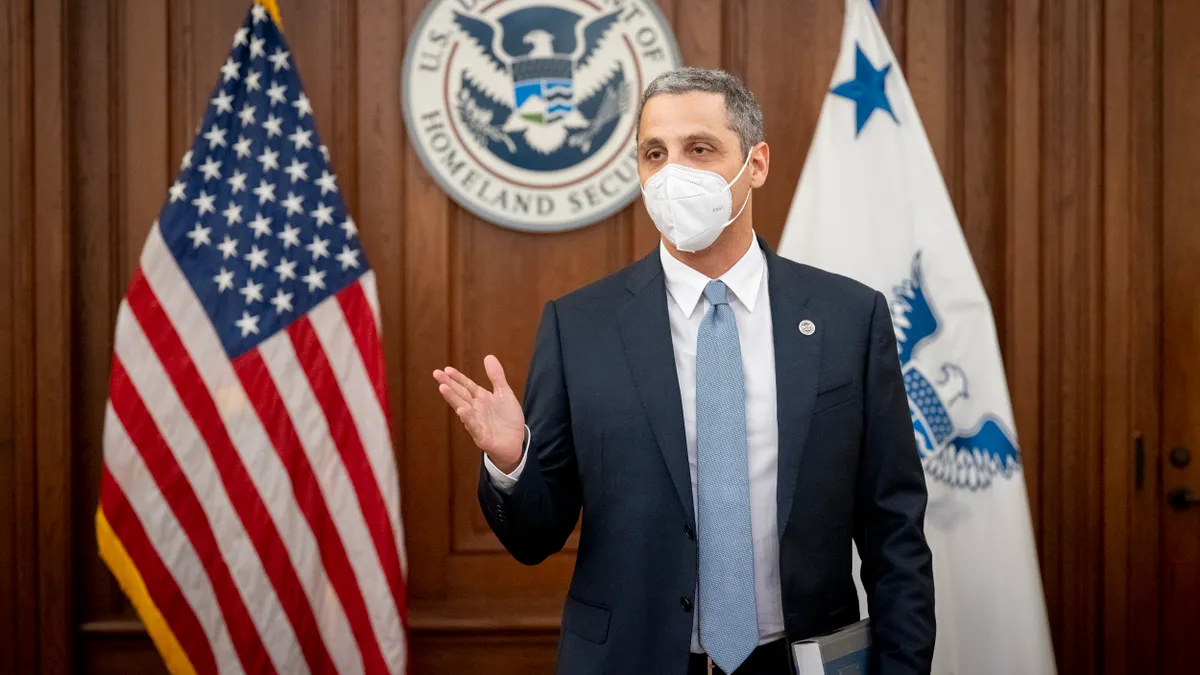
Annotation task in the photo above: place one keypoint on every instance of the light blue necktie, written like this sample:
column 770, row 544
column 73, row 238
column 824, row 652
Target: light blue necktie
column 728, row 617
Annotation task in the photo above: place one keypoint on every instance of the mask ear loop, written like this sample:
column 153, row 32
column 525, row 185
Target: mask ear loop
column 747, row 199
column 739, row 213
column 741, row 170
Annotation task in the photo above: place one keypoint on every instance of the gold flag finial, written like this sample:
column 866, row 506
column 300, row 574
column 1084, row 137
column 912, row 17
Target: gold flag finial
column 273, row 8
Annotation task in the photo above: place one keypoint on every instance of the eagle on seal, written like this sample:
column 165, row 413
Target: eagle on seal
column 543, row 87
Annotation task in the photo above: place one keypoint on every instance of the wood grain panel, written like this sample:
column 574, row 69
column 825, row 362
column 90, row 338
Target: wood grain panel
column 24, row 514
column 180, row 60
column 98, row 282
column 210, row 28
column 933, row 66
column 893, row 16
column 142, row 130
column 117, row 648
column 1117, row 288
column 493, row 654
column 1072, row 533
column 321, row 36
column 790, row 91
column 699, row 27
column 1144, row 388
column 377, row 197
column 981, row 158
column 13, row 211
column 8, row 553
column 1050, row 379
column 1180, row 584
column 51, row 322
column 426, row 315
column 1131, row 375
column 1022, row 254
column 314, row 30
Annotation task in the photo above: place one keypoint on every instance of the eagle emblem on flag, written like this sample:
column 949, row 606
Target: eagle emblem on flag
column 960, row 457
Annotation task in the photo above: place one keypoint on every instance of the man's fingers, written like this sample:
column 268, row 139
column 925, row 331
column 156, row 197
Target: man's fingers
column 462, row 392
column 457, row 398
column 495, row 372
column 453, row 398
column 467, row 383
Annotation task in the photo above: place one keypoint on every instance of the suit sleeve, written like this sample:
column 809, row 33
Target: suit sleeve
column 897, row 567
column 534, row 518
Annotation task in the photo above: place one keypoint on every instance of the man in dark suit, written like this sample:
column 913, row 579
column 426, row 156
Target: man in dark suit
column 728, row 421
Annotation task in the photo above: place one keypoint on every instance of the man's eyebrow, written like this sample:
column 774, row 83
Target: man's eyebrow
column 698, row 136
column 701, row 136
column 648, row 142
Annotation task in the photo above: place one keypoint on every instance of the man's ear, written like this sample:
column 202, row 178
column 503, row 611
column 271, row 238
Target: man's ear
column 760, row 164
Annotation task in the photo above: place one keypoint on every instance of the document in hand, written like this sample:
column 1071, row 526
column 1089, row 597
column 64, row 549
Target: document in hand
column 843, row 652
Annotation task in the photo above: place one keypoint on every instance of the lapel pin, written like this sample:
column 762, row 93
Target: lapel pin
column 807, row 327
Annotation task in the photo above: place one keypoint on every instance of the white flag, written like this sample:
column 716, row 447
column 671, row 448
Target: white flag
column 871, row 205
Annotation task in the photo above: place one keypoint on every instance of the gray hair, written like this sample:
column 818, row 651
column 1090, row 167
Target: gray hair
column 741, row 110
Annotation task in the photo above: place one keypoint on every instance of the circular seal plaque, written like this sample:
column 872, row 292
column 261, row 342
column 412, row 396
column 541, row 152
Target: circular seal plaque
column 524, row 110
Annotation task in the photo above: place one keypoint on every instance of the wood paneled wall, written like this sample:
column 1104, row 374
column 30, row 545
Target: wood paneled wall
column 1043, row 115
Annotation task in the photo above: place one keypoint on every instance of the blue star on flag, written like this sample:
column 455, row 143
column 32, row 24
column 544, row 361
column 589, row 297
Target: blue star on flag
column 866, row 90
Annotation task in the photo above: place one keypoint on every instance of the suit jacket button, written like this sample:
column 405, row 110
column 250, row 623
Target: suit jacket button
column 689, row 531
column 685, row 604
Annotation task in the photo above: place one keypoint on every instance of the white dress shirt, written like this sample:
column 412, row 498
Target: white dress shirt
column 747, row 283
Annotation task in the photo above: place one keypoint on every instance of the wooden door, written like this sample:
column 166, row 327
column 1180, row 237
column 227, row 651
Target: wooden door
column 1180, row 503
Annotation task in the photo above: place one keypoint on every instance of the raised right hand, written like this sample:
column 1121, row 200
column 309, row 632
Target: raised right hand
column 493, row 418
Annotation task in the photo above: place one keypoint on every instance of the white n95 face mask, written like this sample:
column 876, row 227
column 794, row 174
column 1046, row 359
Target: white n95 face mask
column 691, row 207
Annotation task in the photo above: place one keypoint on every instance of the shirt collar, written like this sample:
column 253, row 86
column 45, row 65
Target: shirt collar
column 686, row 285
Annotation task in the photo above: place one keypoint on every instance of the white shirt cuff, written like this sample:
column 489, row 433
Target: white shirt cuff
column 505, row 482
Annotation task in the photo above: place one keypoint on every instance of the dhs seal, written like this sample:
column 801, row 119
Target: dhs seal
column 524, row 110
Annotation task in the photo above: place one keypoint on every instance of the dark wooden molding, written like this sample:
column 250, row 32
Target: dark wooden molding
column 52, row 361
column 461, row 617
column 24, row 577
column 1074, row 323
column 1132, row 232
column 1144, row 388
column 15, row 456
column 1022, row 253
column 114, row 627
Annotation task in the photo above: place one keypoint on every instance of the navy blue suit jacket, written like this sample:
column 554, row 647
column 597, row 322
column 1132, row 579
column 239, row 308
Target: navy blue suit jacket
column 603, row 405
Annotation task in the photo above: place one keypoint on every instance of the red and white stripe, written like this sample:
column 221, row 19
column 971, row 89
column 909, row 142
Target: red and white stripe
column 265, row 486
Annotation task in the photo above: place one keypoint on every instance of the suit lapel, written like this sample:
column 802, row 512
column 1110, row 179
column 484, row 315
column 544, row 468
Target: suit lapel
column 646, row 333
column 797, row 363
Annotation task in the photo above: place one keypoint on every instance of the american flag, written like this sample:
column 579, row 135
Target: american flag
column 249, row 505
